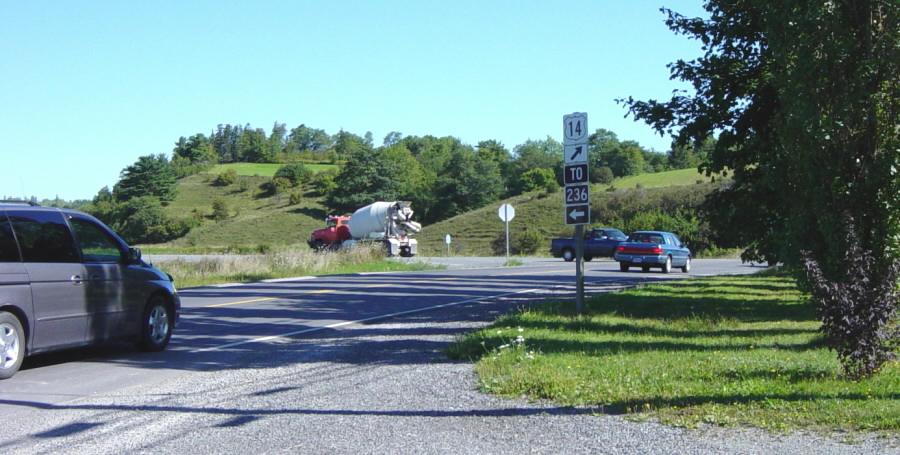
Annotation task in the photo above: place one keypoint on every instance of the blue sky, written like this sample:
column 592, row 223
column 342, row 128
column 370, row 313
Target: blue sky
column 87, row 87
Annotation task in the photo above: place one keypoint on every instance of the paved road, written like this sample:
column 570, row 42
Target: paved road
column 335, row 364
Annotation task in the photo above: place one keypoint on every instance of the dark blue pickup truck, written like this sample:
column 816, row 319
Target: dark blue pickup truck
column 598, row 242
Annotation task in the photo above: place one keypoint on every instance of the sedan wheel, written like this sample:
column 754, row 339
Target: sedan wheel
column 687, row 266
column 667, row 267
column 623, row 266
column 157, row 325
column 12, row 345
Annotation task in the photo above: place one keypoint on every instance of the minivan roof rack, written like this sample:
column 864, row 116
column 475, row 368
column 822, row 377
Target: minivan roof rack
column 19, row 201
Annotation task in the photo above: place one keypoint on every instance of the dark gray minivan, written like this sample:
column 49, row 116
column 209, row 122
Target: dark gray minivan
column 67, row 280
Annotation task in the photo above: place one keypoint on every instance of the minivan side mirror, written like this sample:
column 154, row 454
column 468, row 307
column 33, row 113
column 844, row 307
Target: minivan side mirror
column 134, row 255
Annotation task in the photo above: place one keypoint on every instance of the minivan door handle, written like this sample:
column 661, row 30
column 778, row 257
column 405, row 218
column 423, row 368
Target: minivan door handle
column 75, row 279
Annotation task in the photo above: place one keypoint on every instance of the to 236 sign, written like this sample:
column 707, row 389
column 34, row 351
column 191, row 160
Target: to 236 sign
column 576, row 194
column 575, row 173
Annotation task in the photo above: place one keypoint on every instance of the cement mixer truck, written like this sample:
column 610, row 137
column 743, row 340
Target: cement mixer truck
column 389, row 223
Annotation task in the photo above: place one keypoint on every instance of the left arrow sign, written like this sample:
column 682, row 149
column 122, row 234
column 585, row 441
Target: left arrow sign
column 578, row 214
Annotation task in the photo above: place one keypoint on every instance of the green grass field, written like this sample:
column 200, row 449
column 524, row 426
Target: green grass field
column 256, row 218
column 659, row 179
column 724, row 351
column 264, row 169
column 473, row 232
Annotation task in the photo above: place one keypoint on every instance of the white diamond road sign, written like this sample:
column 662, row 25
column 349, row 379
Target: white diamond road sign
column 575, row 172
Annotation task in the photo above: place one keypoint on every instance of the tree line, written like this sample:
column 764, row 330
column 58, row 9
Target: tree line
column 442, row 176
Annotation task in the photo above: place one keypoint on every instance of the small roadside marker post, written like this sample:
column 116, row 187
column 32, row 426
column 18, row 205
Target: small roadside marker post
column 577, row 203
column 507, row 212
column 447, row 240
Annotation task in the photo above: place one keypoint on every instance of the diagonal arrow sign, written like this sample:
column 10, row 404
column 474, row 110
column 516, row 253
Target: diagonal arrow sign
column 578, row 150
column 575, row 214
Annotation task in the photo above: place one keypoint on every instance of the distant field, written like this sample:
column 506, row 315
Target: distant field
column 263, row 169
column 668, row 178
column 473, row 232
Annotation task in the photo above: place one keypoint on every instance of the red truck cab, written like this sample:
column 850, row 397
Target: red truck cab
column 331, row 236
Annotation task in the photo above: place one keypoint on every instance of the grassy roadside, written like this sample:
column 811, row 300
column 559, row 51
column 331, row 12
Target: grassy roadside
column 724, row 350
column 281, row 264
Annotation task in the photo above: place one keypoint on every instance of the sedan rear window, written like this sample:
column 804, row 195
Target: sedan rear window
column 647, row 238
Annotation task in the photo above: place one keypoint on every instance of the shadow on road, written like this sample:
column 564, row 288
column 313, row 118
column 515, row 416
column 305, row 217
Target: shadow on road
column 292, row 328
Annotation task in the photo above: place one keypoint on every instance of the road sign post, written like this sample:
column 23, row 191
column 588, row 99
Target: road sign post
column 447, row 240
column 577, row 200
column 507, row 212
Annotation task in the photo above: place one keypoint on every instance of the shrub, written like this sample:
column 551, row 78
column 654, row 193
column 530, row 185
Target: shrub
column 228, row 177
column 220, row 210
column 859, row 310
column 539, row 179
column 296, row 198
column 602, row 174
column 142, row 220
column 324, row 182
column 276, row 186
column 296, row 173
column 528, row 242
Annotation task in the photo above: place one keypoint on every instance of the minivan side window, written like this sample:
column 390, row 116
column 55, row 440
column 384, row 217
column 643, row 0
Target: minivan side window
column 43, row 236
column 9, row 252
column 96, row 245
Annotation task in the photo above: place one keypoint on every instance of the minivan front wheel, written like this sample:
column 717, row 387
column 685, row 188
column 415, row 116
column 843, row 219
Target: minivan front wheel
column 156, row 325
column 12, row 345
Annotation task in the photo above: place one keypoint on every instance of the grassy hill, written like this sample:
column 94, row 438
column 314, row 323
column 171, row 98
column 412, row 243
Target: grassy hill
column 473, row 232
column 256, row 218
column 264, row 169
column 259, row 219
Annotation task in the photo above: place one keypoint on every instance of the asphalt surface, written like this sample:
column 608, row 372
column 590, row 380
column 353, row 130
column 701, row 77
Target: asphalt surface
column 343, row 364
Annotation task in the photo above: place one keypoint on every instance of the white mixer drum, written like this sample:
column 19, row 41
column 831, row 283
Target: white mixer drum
column 372, row 218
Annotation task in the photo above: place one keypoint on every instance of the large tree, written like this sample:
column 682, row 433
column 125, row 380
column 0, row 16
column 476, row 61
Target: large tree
column 533, row 154
column 804, row 96
column 151, row 175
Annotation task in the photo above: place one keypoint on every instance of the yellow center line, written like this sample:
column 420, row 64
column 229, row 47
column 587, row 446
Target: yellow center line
column 543, row 273
column 265, row 299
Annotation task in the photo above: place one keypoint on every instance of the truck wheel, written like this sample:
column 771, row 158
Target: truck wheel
column 623, row 266
column 12, row 345
column 568, row 255
column 588, row 258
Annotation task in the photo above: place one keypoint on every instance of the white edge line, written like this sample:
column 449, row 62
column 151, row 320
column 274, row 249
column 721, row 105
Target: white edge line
column 286, row 280
column 360, row 321
column 227, row 285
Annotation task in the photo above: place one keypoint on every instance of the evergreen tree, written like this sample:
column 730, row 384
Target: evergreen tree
column 151, row 175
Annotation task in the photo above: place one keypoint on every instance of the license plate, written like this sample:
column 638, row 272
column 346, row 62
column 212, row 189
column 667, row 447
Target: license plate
column 638, row 260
